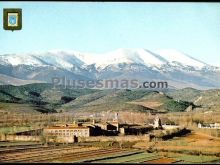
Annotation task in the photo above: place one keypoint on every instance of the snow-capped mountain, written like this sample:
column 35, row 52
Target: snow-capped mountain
column 68, row 59
column 176, row 56
column 178, row 68
column 130, row 56
column 19, row 59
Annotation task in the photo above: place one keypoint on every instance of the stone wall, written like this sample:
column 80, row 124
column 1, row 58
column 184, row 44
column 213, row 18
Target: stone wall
column 115, row 138
column 71, row 139
column 19, row 138
column 170, row 126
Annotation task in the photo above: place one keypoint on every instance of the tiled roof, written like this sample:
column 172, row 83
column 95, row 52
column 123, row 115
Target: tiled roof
column 67, row 127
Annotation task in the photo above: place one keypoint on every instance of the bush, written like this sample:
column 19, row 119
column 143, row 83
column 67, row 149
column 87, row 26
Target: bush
column 127, row 144
column 66, row 99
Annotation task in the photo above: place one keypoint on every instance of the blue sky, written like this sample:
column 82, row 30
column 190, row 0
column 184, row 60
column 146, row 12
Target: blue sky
column 193, row 28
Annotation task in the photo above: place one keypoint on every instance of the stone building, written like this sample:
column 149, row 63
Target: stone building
column 157, row 123
column 68, row 131
column 210, row 126
column 134, row 129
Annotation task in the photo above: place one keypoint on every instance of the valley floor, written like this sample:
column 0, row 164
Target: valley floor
column 193, row 148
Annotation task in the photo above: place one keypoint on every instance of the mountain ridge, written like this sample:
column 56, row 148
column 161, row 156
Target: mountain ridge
column 168, row 65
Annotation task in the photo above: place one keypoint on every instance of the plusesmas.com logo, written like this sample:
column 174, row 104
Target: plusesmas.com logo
column 108, row 84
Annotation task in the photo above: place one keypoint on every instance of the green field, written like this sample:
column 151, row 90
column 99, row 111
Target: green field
column 18, row 143
column 10, row 130
column 135, row 158
column 198, row 159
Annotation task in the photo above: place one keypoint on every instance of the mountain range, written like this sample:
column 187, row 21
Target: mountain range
column 175, row 67
column 44, row 98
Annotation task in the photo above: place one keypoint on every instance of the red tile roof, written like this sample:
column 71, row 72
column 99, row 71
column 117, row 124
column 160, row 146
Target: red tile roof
column 67, row 127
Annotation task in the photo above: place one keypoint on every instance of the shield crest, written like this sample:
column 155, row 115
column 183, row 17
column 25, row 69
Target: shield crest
column 12, row 19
